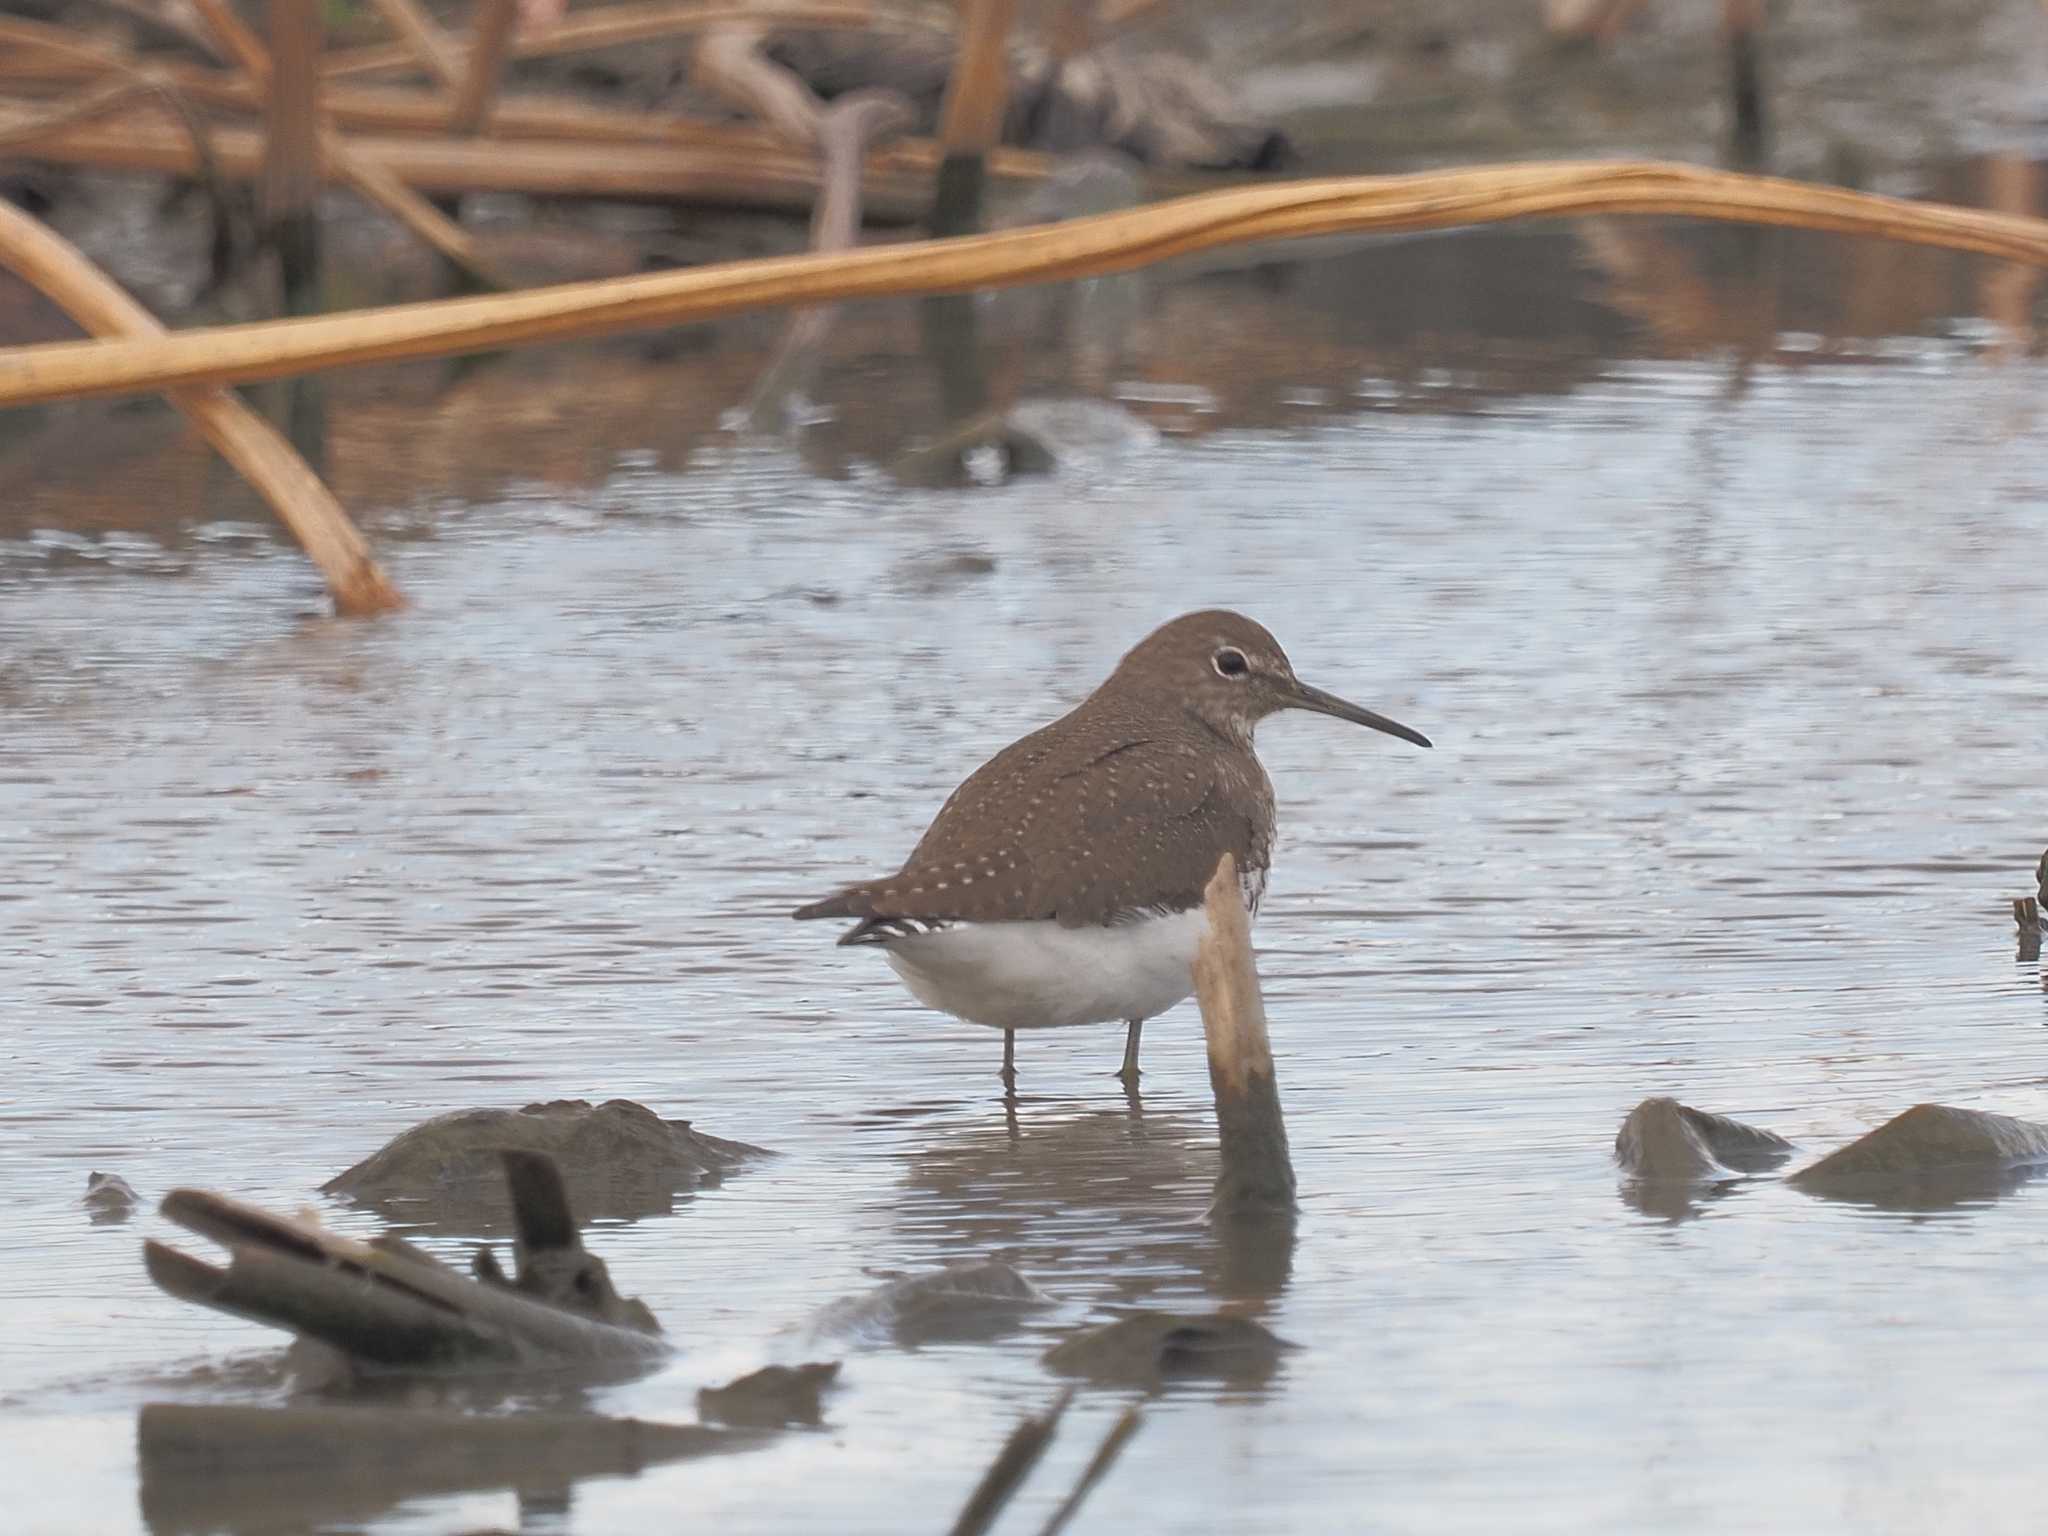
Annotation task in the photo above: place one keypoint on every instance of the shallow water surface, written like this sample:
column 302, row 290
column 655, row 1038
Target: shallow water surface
column 1732, row 657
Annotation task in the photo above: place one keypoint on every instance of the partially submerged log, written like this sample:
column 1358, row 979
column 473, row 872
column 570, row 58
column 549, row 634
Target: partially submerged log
column 972, row 1300
column 550, row 1263
column 1151, row 1348
column 1676, row 1157
column 1930, row 1157
column 388, row 1305
column 213, row 1468
column 1664, row 1139
column 109, row 1197
column 772, row 1397
column 618, row 1160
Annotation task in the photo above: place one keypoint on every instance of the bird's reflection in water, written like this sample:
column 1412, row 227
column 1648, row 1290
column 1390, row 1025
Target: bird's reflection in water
column 1094, row 1204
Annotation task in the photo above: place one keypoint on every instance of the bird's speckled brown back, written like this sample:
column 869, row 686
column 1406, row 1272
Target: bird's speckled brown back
column 1121, row 807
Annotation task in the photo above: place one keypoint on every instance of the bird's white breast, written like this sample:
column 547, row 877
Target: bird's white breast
column 1040, row 975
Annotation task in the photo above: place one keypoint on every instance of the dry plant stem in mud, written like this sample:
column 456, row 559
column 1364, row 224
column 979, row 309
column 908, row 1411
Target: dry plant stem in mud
column 302, row 503
column 373, row 181
column 1256, row 1177
column 971, row 118
column 1087, row 247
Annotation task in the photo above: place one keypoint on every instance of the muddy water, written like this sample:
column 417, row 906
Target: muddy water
column 1721, row 597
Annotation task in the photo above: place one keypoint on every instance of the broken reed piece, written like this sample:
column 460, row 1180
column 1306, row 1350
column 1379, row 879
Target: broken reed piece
column 1013, row 1464
column 52, row 266
column 971, row 116
column 1256, row 1178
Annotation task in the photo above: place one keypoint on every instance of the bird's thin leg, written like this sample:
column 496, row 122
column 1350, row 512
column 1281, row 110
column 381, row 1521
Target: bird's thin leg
column 1010, row 1059
column 1129, row 1071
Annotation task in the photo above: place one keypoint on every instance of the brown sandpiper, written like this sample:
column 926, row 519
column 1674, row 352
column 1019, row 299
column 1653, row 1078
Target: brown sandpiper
column 1062, row 882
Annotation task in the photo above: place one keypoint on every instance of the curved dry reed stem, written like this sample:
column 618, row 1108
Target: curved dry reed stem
column 614, row 26
column 104, row 98
column 51, row 265
column 1112, row 242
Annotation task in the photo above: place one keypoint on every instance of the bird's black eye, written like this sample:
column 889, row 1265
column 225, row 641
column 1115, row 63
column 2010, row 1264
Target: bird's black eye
column 1230, row 662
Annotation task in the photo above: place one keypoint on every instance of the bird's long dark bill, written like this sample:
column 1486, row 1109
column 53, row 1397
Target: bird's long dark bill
column 1323, row 703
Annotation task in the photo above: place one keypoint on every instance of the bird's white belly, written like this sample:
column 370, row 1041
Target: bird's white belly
column 1039, row 975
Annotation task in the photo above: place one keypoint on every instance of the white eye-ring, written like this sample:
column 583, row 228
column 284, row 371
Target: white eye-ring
column 1230, row 662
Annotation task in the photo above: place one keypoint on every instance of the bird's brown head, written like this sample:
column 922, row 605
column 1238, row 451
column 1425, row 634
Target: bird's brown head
column 1230, row 674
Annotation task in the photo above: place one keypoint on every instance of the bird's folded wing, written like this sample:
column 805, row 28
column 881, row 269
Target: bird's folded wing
column 1121, row 834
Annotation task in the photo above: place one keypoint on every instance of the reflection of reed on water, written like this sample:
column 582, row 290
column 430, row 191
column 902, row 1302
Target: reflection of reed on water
column 1099, row 1204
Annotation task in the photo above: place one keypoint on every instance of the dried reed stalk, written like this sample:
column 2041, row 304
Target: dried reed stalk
column 710, row 172
column 492, row 35
column 50, row 56
column 429, row 44
column 51, row 265
column 1256, row 1175
column 379, row 184
column 1112, row 242
column 613, row 26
